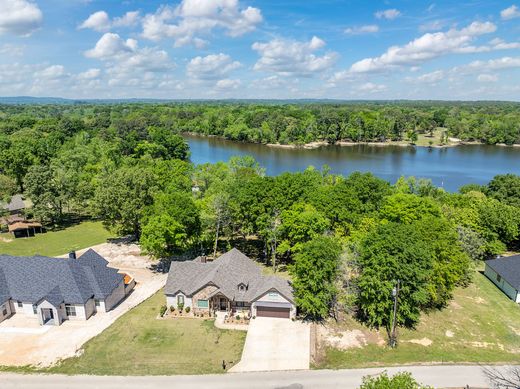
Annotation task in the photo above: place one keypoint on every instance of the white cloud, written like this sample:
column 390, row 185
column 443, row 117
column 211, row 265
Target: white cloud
column 510, row 13
column 288, row 57
column 431, row 77
column 51, row 72
column 487, row 78
column 211, row 67
column 100, row 21
column 389, row 14
column 489, row 65
column 371, row 87
column 192, row 18
column 90, row 74
column 111, row 45
column 9, row 50
column 427, row 47
column 228, row 84
column 367, row 29
column 434, row 25
column 19, row 17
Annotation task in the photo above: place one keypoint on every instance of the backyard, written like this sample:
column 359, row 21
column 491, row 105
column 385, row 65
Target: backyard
column 53, row 243
column 480, row 325
column 139, row 344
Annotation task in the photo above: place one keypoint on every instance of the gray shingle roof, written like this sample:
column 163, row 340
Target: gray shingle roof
column 508, row 268
column 16, row 203
column 226, row 272
column 31, row 279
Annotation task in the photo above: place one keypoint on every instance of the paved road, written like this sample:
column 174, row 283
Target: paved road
column 437, row 376
column 275, row 344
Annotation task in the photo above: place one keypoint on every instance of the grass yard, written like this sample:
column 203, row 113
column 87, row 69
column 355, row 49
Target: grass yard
column 53, row 243
column 139, row 344
column 481, row 325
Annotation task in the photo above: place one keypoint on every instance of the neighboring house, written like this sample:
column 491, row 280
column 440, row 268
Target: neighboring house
column 16, row 205
column 231, row 283
column 57, row 289
column 504, row 272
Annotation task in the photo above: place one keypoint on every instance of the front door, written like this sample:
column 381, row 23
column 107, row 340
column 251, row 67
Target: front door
column 223, row 304
column 48, row 316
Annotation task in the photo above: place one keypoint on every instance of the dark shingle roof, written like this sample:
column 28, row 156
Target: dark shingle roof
column 226, row 272
column 16, row 203
column 32, row 279
column 508, row 268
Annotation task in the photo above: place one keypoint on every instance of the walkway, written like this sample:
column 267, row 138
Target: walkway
column 437, row 376
column 275, row 344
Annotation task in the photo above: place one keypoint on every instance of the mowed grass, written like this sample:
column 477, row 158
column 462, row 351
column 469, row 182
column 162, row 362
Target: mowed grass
column 53, row 243
column 140, row 344
column 481, row 325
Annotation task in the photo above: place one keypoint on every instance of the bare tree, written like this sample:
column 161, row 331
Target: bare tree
column 503, row 378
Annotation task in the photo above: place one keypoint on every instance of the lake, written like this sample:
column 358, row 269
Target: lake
column 449, row 167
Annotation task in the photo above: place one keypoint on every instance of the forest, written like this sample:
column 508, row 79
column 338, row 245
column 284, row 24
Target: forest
column 344, row 241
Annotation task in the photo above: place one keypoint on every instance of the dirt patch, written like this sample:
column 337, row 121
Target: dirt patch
column 454, row 305
column 6, row 240
column 487, row 345
column 515, row 330
column 449, row 334
column 344, row 339
column 423, row 342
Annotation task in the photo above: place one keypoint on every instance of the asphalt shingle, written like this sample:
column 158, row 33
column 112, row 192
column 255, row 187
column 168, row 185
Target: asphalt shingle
column 508, row 268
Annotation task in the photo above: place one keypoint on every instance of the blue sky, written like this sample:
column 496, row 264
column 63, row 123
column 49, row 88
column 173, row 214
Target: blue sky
column 206, row 49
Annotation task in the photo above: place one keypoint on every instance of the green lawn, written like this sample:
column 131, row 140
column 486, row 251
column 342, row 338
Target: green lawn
column 139, row 344
column 481, row 325
column 58, row 242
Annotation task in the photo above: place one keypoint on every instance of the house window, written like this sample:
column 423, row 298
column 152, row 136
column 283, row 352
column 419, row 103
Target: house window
column 35, row 311
column 70, row 310
column 20, row 304
column 273, row 294
column 241, row 287
column 241, row 304
column 180, row 300
column 97, row 303
column 499, row 278
column 202, row 304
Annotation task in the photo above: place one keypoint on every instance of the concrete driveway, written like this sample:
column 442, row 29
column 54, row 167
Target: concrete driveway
column 275, row 344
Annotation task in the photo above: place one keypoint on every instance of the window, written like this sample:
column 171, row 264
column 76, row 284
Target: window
column 273, row 294
column 20, row 304
column 97, row 303
column 4, row 310
column 35, row 311
column 241, row 287
column 180, row 299
column 499, row 278
column 241, row 304
column 70, row 310
column 202, row 304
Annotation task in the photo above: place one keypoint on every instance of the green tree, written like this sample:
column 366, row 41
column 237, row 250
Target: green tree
column 314, row 273
column 7, row 187
column 505, row 188
column 407, row 208
column 402, row 380
column 121, row 198
column 162, row 235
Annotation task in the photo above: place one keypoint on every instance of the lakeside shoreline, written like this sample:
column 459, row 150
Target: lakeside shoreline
column 453, row 142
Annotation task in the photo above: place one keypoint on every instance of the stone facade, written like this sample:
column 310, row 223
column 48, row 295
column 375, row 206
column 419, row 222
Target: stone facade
column 203, row 294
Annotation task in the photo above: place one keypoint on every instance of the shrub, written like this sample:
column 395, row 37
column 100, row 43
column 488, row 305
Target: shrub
column 237, row 317
column 163, row 310
column 180, row 307
column 172, row 308
column 402, row 380
column 187, row 309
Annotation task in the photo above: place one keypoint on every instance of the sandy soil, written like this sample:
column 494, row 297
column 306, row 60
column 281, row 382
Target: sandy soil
column 346, row 339
column 21, row 343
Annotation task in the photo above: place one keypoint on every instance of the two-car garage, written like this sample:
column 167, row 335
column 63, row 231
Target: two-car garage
column 272, row 309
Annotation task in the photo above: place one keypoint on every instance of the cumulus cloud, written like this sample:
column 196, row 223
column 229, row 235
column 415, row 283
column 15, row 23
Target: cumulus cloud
column 111, row 45
column 389, row 14
column 228, row 84
column 487, row 78
column 489, row 65
column 288, row 57
column 427, row 47
column 510, row 13
column 367, row 29
column 100, row 21
column 19, row 17
column 90, row 74
column 211, row 67
column 51, row 72
column 370, row 87
column 192, row 18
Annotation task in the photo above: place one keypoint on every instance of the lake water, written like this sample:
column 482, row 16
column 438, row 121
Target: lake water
column 449, row 167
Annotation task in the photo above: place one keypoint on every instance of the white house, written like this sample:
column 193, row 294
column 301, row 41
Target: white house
column 504, row 272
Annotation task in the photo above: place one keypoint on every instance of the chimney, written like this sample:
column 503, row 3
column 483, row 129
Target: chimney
column 203, row 259
column 72, row 255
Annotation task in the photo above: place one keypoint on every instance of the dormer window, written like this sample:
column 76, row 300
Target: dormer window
column 242, row 287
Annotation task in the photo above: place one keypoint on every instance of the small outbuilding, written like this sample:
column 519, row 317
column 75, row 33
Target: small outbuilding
column 504, row 272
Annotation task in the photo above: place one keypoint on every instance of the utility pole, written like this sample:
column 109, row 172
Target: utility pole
column 393, row 335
